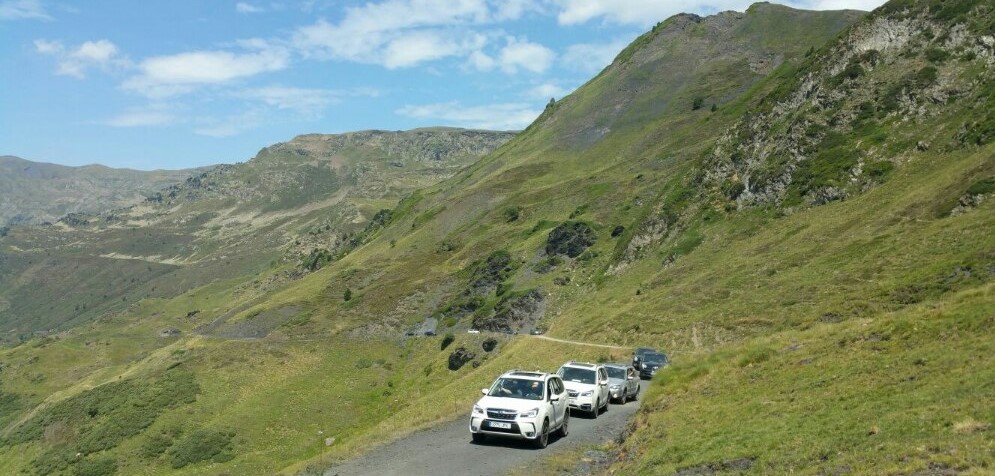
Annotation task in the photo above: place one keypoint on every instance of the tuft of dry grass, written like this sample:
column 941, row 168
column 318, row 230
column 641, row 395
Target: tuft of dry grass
column 970, row 425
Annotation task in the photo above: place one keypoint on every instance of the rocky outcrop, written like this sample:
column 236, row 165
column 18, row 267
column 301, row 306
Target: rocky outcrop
column 459, row 358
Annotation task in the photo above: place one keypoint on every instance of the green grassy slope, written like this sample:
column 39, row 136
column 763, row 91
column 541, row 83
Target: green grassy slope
column 816, row 254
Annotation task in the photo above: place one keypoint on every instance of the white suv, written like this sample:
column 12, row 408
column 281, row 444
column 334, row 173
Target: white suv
column 521, row 404
column 587, row 386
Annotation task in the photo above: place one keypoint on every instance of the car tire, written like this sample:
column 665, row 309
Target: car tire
column 606, row 404
column 595, row 411
column 478, row 437
column 543, row 438
column 565, row 427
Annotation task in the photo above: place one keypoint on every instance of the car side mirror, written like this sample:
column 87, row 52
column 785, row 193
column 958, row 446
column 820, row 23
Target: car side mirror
column 483, row 391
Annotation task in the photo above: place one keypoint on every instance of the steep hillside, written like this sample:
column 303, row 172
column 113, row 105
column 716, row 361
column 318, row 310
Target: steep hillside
column 814, row 251
column 33, row 193
column 289, row 211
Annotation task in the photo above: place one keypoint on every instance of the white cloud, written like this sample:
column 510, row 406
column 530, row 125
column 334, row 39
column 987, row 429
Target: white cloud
column 546, row 91
column 183, row 72
column 592, row 57
column 76, row 61
column 23, row 10
column 308, row 101
column 141, row 119
column 503, row 116
column 244, row 7
column 418, row 47
column 523, row 54
column 231, row 125
column 404, row 33
column 514, row 9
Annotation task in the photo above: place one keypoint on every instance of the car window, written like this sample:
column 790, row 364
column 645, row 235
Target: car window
column 655, row 358
column 573, row 374
column 518, row 388
column 616, row 372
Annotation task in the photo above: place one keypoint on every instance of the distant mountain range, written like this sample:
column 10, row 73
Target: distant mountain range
column 35, row 192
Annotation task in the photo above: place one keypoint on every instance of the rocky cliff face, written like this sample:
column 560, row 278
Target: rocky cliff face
column 860, row 107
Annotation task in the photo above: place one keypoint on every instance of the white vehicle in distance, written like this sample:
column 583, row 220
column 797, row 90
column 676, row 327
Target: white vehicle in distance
column 523, row 405
column 587, row 386
column 472, row 331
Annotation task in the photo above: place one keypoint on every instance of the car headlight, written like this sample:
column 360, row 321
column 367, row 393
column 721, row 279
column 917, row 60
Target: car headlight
column 477, row 410
column 587, row 393
column 615, row 387
column 530, row 414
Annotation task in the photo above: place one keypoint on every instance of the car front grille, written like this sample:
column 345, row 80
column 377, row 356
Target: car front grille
column 501, row 414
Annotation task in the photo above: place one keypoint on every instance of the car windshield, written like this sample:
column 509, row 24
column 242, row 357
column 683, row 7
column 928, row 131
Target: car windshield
column 517, row 388
column 572, row 374
column 655, row 358
column 615, row 372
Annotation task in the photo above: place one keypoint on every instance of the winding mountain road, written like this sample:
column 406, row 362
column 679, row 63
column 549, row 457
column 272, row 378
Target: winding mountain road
column 447, row 449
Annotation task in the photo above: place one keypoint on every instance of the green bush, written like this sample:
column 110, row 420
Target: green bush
column 155, row 445
column 936, row 55
column 105, row 416
column 95, row 467
column 512, row 214
column 697, row 103
column 878, row 168
column 448, row 339
column 982, row 187
column 202, row 445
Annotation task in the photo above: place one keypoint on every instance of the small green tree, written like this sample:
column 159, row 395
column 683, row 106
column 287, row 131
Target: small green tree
column 347, row 295
column 697, row 103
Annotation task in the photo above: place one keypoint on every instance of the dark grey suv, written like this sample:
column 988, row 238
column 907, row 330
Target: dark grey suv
column 650, row 363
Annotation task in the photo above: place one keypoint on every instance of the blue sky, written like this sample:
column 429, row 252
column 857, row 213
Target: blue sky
column 174, row 84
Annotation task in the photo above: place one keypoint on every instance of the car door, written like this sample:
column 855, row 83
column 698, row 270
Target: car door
column 556, row 389
column 603, row 383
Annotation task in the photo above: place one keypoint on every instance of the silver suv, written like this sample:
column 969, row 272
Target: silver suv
column 520, row 404
column 623, row 383
column 587, row 385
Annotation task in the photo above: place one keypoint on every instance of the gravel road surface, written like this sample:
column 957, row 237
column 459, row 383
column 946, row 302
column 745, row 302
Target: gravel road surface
column 446, row 449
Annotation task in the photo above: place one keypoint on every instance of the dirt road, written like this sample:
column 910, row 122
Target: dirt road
column 446, row 449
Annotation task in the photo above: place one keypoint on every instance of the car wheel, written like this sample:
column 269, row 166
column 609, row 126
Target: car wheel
column 478, row 437
column 564, row 428
column 595, row 410
column 606, row 404
column 543, row 438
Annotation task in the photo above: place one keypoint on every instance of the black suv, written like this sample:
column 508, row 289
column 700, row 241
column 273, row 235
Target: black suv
column 650, row 362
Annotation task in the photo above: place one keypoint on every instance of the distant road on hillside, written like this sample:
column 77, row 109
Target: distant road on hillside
column 447, row 449
column 605, row 346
